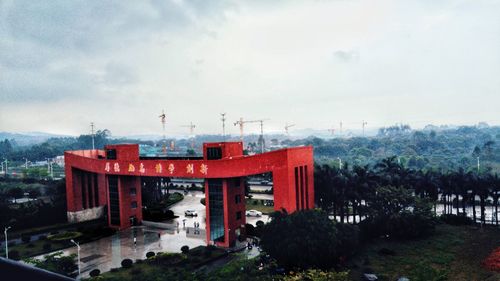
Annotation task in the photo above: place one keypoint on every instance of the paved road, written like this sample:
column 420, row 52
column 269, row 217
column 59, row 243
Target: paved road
column 108, row 252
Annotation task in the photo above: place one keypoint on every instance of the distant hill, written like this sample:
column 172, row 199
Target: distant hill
column 29, row 138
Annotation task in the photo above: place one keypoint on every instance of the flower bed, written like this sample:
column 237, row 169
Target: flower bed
column 492, row 262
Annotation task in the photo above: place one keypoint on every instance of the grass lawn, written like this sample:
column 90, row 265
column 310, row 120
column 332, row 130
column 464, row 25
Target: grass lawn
column 173, row 198
column 35, row 248
column 452, row 253
column 165, row 266
column 256, row 204
column 47, row 245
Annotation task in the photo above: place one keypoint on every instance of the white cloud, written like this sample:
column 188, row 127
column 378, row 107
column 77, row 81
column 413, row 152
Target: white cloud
column 311, row 63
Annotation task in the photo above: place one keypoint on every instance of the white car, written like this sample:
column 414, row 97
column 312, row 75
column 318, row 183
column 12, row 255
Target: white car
column 253, row 213
column 190, row 213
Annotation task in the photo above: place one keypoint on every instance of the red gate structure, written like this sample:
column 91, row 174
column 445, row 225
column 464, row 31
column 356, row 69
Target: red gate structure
column 109, row 180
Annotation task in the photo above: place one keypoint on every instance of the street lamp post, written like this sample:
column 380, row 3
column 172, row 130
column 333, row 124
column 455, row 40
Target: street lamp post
column 6, row 242
column 478, row 164
column 78, row 247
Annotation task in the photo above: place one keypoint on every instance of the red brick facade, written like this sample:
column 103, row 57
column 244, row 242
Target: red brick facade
column 90, row 172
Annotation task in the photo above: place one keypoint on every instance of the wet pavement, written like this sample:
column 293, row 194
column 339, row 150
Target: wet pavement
column 109, row 252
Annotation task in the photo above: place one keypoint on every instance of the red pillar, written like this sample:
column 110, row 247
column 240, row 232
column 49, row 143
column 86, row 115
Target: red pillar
column 130, row 204
column 233, row 190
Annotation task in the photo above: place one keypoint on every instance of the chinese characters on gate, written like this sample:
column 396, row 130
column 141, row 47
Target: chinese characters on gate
column 158, row 168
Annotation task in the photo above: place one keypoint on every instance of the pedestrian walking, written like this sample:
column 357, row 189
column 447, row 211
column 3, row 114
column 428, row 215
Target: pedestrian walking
column 135, row 241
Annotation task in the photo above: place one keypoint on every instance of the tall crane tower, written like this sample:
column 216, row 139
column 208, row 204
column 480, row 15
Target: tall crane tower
column 191, row 127
column 286, row 128
column 223, row 119
column 163, row 120
column 242, row 123
column 364, row 124
column 92, row 134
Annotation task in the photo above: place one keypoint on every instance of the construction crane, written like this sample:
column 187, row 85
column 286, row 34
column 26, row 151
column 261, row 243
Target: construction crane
column 191, row 127
column 364, row 124
column 242, row 123
column 286, row 128
column 223, row 119
column 163, row 120
column 92, row 134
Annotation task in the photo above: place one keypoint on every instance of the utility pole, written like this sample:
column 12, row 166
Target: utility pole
column 340, row 163
column 25, row 163
column 223, row 119
column 364, row 124
column 92, row 133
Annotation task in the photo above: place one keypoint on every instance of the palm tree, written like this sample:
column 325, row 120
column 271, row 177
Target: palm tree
column 472, row 183
column 496, row 194
column 483, row 185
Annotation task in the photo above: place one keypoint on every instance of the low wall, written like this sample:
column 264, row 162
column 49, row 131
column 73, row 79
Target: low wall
column 86, row 215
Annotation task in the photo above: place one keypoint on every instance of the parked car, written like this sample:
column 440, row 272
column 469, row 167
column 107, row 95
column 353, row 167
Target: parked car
column 190, row 213
column 253, row 213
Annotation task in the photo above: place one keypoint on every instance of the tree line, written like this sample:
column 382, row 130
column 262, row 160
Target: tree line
column 350, row 192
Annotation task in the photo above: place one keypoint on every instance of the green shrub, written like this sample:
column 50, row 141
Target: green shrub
column 94, row 272
column 259, row 223
column 14, row 254
column 26, row 238
column 136, row 271
column 310, row 235
column 47, row 247
column 42, row 237
column 31, row 245
column 250, row 229
column 127, row 263
column 318, row 275
column 455, row 219
column 65, row 236
column 150, row 254
column 185, row 249
column 409, row 218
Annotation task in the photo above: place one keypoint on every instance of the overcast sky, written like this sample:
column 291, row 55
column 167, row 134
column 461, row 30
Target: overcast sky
column 64, row 64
